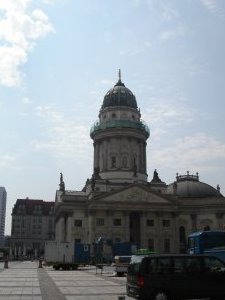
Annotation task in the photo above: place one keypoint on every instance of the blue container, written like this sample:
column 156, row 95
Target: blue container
column 82, row 253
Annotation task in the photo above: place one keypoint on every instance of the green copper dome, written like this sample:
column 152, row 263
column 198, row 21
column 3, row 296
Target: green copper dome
column 119, row 95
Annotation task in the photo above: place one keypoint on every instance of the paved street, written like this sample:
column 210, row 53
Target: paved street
column 25, row 281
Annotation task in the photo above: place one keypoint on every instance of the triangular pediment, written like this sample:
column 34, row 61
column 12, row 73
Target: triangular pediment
column 135, row 194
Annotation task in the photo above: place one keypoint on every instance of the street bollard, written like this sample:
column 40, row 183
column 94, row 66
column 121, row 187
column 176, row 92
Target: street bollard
column 6, row 264
column 121, row 297
column 40, row 263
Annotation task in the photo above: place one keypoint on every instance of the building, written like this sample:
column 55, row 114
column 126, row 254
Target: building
column 119, row 203
column 33, row 223
column 3, row 196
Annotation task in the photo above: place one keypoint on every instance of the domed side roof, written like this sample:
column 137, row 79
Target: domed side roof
column 192, row 188
column 119, row 95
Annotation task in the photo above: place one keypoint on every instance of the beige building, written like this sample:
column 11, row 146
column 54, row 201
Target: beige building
column 119, row 203
column 3, row 196
column 33, row 223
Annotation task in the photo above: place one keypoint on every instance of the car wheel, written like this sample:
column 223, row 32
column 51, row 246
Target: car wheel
column 160, row 295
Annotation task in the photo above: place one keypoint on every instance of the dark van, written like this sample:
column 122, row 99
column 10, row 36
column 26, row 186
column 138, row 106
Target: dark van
column 163, row 277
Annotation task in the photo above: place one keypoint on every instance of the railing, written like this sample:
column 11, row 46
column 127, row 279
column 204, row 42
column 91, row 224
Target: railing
column 120, row 124
column 187, row 177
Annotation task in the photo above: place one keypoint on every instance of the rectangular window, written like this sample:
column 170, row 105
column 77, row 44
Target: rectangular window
column 117, row 222
column 167, row 246
column 150, row 223
column 100, row 222
column 151, row 244
column 78, row 223
column 77, row 241
column 166, row 223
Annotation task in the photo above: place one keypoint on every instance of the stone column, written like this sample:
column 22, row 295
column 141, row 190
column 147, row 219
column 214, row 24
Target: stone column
column 175, row 242
column 193, row 222
column 144, row 238
column 91, row 226
column 144, row 155
column 126, row 219
column 219, row 218
column 69, row 228
column 15, row 252
column 61, row 229
column 97, row 155
column 159, row 241
column 106, row 154
column 65, row 227
column 141, row 168
column 24, row 249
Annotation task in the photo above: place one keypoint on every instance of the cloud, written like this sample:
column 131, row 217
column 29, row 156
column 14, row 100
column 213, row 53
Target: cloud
column 164, row 114
column 135, row 49
column 26, row 100
column 194, row 67
column 20, row 28
column 64, row 137
column 169, row 13
column 214, row 7
column 190, row 152
column 51, row 2
column 172, row 34
column 137, row 3
column 106, row 82
column 6, row 160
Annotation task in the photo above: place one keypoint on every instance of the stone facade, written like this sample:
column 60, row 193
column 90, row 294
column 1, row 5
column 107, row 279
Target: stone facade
column 119, row 204
column 33, row 223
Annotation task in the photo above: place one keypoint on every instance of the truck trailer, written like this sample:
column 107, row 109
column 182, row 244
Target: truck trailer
column 66, row 255
column 207, row 242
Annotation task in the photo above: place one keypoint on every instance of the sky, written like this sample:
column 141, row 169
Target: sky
column 58, row 58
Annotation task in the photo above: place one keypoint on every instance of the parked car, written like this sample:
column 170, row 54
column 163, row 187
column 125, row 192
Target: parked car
column 163, row 277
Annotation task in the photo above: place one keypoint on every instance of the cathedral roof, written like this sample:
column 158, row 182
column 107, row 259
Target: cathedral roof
column 119, row 95
column 189, row 186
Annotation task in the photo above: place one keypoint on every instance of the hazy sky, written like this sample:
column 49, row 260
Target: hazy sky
column 58, row 58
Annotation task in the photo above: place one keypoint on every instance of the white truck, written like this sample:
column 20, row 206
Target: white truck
column 66, row 255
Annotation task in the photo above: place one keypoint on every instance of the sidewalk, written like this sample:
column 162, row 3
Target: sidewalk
column 20, row 281
column 25, row 281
